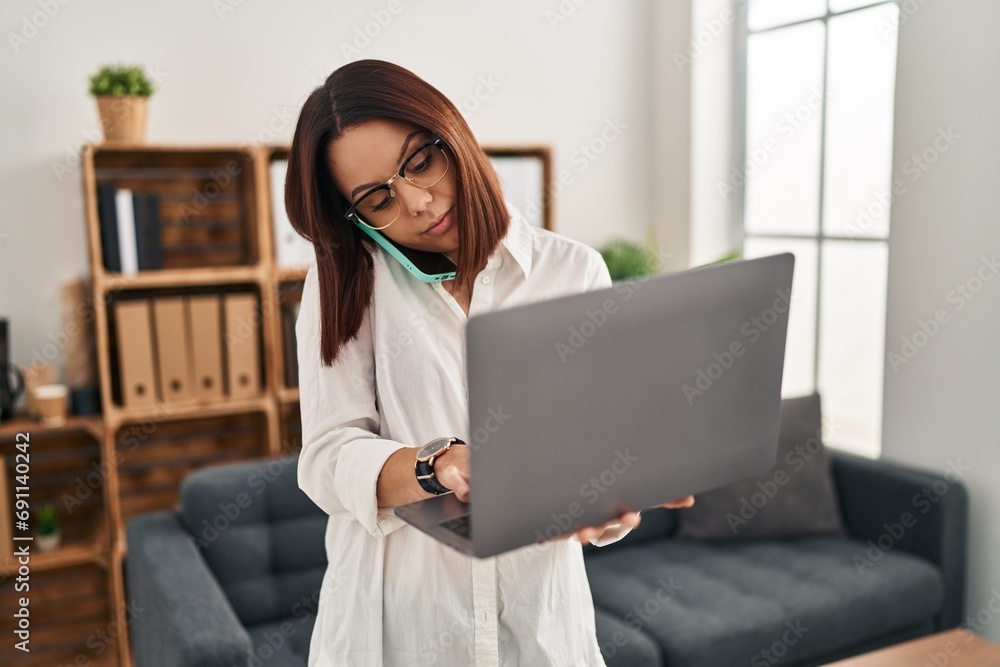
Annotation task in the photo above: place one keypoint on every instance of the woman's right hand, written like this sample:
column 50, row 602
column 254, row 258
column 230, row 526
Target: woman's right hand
column 452, row 470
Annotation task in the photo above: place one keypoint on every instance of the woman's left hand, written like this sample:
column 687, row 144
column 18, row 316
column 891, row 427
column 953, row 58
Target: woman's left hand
column 627, row 520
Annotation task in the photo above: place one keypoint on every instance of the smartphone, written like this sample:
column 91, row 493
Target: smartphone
column 430, row 267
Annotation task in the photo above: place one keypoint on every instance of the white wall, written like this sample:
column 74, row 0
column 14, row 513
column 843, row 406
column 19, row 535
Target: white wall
column 711, row 61
column 562, row 70
column 941, row 405
column 669, row 144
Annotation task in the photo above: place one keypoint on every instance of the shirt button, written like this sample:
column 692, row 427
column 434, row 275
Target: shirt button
column 486, row 280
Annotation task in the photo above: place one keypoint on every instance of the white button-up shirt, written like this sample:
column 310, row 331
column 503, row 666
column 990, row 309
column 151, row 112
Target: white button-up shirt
column 392, row 595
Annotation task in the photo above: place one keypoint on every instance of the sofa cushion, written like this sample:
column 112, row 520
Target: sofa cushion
column 797, row 496
column 802, row 597
column 243, row 517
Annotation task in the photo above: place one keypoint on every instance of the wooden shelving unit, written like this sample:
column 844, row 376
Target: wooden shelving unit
column 217, row 235
column 71, row 594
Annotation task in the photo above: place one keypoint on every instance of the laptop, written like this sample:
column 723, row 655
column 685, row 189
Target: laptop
column 621, row 398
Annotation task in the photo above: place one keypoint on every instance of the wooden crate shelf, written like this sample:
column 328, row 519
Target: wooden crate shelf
column 152, row 466
column 206, row 206
column 72, row 618
column 213, row 207
column 116, row 282
column 169, row 411
column 23, row 424
column 288, row 395
column 65, row 470
column 287, row 275
column 88, row 548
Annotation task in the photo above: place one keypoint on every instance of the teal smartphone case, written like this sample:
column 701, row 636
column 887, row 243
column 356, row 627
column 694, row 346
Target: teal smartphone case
column 403, row 259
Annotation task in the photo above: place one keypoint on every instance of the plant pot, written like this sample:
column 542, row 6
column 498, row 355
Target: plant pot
column 48, row 542
column 123, row 117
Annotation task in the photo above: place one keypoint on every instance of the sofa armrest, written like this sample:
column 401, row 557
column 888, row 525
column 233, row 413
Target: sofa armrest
column 876, row 494
column 181, row 616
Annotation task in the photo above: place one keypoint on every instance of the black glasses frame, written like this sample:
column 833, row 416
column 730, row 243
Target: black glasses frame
column 436, row 140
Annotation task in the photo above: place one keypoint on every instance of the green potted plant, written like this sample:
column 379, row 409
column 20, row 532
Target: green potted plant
column 730, row 256
column 47, row 536
column 122, row 93
column 628, row 259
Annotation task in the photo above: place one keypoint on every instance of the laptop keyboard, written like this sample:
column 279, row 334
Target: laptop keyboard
column 461, row 525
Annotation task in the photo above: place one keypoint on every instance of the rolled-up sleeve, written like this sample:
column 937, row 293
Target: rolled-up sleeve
column 342, row 454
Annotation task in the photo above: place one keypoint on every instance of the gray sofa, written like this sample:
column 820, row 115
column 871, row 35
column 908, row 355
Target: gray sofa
column 793, row 602
column 235, row 572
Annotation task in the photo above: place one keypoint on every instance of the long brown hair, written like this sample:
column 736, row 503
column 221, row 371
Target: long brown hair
column 352, row 94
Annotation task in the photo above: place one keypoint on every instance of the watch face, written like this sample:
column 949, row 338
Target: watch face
column 432, row 447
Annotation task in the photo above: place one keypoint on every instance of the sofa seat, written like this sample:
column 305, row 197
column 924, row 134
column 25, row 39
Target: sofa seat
column 804, row 593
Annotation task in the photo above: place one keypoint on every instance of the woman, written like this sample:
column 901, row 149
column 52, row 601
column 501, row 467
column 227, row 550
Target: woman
column 382, row 372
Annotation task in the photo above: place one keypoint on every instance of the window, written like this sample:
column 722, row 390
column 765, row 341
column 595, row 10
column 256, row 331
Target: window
column 816, row 181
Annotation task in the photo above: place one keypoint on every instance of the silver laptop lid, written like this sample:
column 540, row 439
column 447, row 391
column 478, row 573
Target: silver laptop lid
column 650, row 390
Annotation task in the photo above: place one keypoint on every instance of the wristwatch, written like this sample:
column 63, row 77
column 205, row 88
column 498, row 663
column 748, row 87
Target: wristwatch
column 424, row 465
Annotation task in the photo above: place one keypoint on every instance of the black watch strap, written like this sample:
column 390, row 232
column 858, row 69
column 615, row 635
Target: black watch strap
column 427, row 479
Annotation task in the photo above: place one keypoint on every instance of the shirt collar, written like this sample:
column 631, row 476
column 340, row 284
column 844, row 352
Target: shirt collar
column 519, row 239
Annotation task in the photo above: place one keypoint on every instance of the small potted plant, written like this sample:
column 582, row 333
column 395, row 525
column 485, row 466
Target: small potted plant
column 627, row 259
column 47, row 535
column 122, row 93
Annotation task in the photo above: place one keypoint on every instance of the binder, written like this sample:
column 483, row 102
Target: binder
column 205, row 336
column 242, row 345
column 172, row 353
column 136, row 367
column 107, row 212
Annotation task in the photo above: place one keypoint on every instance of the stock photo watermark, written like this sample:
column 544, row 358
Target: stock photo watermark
column 916, row 166
column 640, row 615
column 562, row 12
column 773, row 654
column 486, row 85
column 787, row 127
column 907, row 8
column 31, row 24
column 753, row 329
column 795, row 461
column 364, row 35
column 581, row 158
column 927, row 329
column 923, row 502
column 594, row 320
column 700, row 41
column 591, row 490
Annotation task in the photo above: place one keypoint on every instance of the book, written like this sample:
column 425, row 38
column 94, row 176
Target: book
column 290, row 249
column 290, row 348
column 108, row 218
column 124, row 207
column 149, row 247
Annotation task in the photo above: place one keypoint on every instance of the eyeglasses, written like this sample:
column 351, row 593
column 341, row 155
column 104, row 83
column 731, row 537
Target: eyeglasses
column 424, row 168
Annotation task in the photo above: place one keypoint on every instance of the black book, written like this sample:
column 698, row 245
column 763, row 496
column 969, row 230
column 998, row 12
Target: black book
column 290, row 351
column 155, row 241
column 147, row 231
column 108, row 217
